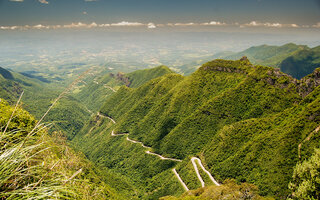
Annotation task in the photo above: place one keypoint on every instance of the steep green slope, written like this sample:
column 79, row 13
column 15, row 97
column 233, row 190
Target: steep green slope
column 265, row 150
column 137, row 78
column 265, row 55
column 229, row 190
column 126, row 158
column 200, row 103
column 69, row 115
column 94, row 93
column 302, row 62
column 268, row 55
column 229, row 113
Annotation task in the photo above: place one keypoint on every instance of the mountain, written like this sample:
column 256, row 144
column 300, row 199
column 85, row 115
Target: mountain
column 69, row 115
column 8, row 88
column 244, row 122
column 301, row 63
column 267, row 55
column 95, row 91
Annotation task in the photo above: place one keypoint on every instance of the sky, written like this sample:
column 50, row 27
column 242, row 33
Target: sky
column 152, row 14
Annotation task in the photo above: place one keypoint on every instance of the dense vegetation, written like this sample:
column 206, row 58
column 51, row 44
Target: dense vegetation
column 245, row 122
column 295, row 60
column 36, row 166
column 95, row 92
column 267, row 55
column 302, row 62
column 69, row 115
column 229, row 190
column 306, row 183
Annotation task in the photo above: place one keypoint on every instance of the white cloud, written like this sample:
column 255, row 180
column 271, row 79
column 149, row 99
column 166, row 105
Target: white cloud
column 84, row 12
column 253, row 23
column 76, row 25
column 294, row 25
column 92, row 25
column 40, row 26
column 185, row 24
column 257, row 24
column 124, row 23
column 17, row 0
column 90, row 0
column 213, row 23
column 4, row 27
column 271, row 25
column 316, row 25
column 44, row 1
column 103, row 25
column 151, row 26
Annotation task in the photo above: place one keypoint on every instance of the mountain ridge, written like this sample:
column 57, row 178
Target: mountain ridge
column 179, row 117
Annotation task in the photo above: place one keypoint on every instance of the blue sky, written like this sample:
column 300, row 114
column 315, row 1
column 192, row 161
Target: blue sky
column 266, row 13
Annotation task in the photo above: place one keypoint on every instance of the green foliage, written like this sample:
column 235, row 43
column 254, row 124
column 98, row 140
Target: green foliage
column 96, row 91
column 228, row 190
column 268, row 55
column 306, row 178
column 34, row 166
column 69, row 115
column 138, row 78
column 227, row 112
column 301, row 63
column 5, row 74
column 139, row 175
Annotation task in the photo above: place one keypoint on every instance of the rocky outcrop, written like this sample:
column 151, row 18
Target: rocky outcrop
column 304, row 86
column 309, row 83
column 121, row 77
column 274, row 76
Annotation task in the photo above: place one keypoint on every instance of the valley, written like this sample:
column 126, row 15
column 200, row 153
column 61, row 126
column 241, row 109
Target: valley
column 155, row 133
column 159, row 100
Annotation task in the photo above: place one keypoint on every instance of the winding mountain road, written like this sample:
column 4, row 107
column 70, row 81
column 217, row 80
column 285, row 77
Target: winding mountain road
column 193, row 159
column 180, row 180
column 108, row 87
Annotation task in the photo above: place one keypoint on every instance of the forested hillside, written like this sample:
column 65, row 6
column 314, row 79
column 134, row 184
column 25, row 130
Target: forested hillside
column 95, row 92
column 69, row 114
column 302, row 62
column 295, row 60
column 150, row 131
column 244, row 122
column 267, row 55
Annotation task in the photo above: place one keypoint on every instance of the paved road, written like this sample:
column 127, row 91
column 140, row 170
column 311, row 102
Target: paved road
column 137, row 142
column 180, row 180
column 108, row 87
column 193, row 160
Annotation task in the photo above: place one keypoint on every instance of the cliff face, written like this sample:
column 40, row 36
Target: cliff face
column 309, row 83
column 121, row 77
column 272, row 76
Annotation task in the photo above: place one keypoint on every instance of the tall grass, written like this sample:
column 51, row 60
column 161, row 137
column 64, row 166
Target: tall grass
column 34, row 165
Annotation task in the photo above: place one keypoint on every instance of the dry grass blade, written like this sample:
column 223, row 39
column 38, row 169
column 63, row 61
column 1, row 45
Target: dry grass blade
column 15, row 108
column 74, row 175
column 45, row 175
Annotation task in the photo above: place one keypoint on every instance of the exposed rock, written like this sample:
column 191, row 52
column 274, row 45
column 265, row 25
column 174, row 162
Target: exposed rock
column 244, row 58
column 121, row 76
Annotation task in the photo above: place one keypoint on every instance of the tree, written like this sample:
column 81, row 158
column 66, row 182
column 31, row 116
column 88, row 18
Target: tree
column 306, row 178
